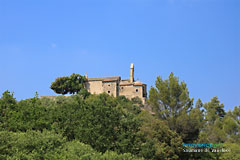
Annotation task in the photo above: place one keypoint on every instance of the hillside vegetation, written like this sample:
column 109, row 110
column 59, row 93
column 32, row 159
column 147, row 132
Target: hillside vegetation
column 88, row 126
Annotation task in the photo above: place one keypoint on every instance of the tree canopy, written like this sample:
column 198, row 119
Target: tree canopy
column 72, row 84
column 90, row 126
column 169, row 97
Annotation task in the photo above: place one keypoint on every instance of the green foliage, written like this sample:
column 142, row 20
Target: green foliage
column 72, row 84
column 85, row 126
column 169, row 97
column 7, row 104
column 99, row 120
column 48, row 145
column 156, row 140
column 76, row 150
column 29, row 145
column 214, row 110
column 170, row 101
column 230, row 126
column 84, row 93
column 235, row 125
column 234, row 153
column 213, row 130
column 188, row 125
column 137, row 101
column 220, row 127
column 109, row 155
column 27, row 115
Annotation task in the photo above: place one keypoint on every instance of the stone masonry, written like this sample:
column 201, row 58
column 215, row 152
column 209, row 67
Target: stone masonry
column 117, row 87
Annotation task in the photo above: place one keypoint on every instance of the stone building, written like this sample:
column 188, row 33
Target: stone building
column 117, row 87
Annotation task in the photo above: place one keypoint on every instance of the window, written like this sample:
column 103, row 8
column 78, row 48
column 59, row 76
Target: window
column 122, row 87
column 108, row 91
column 109, row 85
column 136, row 90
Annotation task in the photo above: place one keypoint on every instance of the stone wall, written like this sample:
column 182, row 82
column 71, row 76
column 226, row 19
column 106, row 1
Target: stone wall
column 110, row 88
column 94, row 87
column 131, row 91
column 97, row 87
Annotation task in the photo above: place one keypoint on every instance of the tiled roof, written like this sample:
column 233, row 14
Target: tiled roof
column 115, row 78
column 139, row 84
column 126, row 83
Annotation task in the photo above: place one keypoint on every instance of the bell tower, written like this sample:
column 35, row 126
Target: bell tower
column 132, row 73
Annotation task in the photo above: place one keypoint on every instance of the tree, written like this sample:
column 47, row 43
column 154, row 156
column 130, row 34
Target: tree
column 169, row 98
column 76, row 150
column 105, row 125
column 26, row 115
column 72, row 84
column 213, row 130
column 49, row 145
column 189, row 125
column 28, row 145
column 98, row 120
column 7, row 104
column 156, row 140
column 236, row 118
column 214, row 110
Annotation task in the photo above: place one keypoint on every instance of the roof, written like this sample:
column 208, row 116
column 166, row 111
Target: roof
column 126, row 83
column 115, row 78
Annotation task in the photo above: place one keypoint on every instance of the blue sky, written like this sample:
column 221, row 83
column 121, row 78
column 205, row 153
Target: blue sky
column 197, row 40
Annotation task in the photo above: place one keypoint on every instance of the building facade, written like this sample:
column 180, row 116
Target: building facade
column 117, row 87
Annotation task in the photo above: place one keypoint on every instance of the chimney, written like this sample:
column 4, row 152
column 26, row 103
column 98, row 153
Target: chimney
column 131, row 73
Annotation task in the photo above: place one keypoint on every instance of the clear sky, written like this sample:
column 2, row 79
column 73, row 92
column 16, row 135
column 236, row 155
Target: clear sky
column 197, row 40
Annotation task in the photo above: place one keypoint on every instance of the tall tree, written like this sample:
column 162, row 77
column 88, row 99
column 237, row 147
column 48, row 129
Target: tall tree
column 189, row 125
column 213, row 128
column 169, row 98
column 72, row 84
column 7, row 104
column 156, row 140
column 214, row 110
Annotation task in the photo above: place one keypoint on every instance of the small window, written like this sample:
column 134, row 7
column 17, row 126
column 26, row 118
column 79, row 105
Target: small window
column 122, row 87
column 108, row 91
column 109, row 85
column 136, row 90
